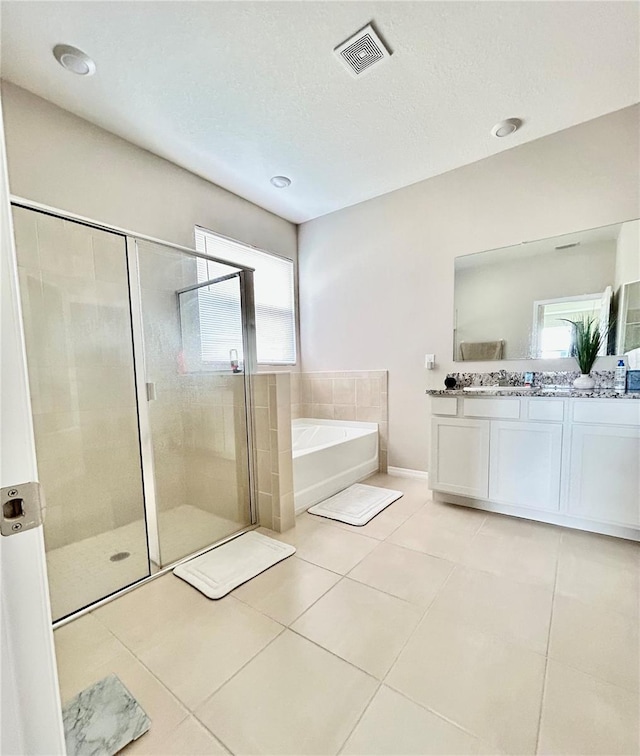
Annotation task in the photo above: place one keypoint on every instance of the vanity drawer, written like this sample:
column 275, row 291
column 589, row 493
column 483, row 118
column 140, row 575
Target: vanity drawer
column 499, row 408
column 546, row 410
column 444, row 405
column 607, row 411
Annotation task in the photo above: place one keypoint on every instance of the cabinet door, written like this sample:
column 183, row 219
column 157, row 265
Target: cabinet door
column 525, row 464
column 604, row 474
column 460, row 456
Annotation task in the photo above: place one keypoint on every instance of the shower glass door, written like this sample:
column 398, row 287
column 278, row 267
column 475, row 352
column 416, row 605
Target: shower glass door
column 195, row 415
column 74, row 288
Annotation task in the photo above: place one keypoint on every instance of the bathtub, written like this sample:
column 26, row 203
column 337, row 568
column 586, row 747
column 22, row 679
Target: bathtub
column 329, row 455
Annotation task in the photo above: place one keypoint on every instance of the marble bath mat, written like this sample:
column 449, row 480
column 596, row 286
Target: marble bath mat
column 356, row 505
column 102, row 719
column 224, row 568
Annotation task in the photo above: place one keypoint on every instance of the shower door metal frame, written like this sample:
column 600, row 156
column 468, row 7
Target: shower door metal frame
column 247, row 308
column 249, row 346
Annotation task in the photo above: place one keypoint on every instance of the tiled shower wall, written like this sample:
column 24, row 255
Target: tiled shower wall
column 344, row 395
column 75, row 302
column 272, row 411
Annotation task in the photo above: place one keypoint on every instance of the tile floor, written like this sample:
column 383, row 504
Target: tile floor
column 184, row 529
column 434, row 629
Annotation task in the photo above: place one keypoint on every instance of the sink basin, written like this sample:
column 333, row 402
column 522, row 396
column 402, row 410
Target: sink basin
column 494, row 389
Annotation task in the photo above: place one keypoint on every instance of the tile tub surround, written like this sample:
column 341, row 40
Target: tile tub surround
column 272, row 413
column 296, row 661
column 344, row 395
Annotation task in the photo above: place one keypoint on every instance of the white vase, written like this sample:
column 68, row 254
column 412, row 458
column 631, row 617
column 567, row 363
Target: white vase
column 585, row 382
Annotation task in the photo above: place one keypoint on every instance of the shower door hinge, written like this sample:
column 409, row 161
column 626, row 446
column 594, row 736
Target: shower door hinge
column 22, row 508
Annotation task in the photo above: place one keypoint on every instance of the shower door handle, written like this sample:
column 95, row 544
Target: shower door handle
column 151, row 391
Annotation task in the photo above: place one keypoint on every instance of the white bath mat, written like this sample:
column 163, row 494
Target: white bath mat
column 224, row 568
column 357, row 504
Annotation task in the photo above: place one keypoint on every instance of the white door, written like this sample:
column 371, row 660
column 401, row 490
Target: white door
column 525, row 464
column 30, row 705
column 604, row 474
column 460, row 456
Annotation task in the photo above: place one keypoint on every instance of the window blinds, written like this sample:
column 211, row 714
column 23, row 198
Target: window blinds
column 274, row 300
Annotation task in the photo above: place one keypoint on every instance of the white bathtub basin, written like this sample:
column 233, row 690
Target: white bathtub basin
column 330, row 455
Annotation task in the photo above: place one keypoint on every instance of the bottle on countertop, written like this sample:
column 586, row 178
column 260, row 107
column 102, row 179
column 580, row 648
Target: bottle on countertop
column 620, row 381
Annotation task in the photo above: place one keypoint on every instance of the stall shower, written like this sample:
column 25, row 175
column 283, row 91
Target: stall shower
column 142, row 425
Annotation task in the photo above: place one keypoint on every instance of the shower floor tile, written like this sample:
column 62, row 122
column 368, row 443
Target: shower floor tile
column 82, row 572
column 474, row 674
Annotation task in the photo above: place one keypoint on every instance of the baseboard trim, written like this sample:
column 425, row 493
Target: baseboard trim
column 406, row 472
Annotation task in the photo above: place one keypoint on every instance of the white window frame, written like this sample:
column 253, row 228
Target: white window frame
column 538, row 310
column 294, row 267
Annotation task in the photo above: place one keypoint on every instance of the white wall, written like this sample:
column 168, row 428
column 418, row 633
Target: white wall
column 628, row 254
column 64, row 161
column 376, row 279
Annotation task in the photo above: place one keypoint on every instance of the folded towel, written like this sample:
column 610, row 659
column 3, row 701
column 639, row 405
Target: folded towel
column 481, row 350
column 633, row 359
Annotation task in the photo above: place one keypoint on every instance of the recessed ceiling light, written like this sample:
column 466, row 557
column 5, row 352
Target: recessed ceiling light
column 504, row 128
column 74, row 60
column 281, row 182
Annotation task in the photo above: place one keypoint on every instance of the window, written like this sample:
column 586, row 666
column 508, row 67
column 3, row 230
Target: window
column 553, row 335
column 274, row 300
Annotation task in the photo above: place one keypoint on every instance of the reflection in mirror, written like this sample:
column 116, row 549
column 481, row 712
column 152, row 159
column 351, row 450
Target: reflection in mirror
column 629, row 322
column 513, row 302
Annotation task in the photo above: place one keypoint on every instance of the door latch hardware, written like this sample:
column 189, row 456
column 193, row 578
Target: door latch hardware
column 22, row 508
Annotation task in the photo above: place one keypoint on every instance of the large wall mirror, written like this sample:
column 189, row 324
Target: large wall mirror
column 514, row 303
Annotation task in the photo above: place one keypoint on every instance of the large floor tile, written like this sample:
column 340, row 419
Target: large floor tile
column 362, row 625
column 293, row 698
column 617, row 552
column 523, row 551
column 584, row 715
column 463, row 519
column 488, row 686
column 517, row 612
column 188, row 738
column 607, row 577
column 601, row 643
column 143, row 616
column 332, row 548
column 200, row 654
column 162, row 707
column 286, row 590
column 404, row 573
column 92, row 657
column 83, row 643
column 394, row 725
column 447, row 537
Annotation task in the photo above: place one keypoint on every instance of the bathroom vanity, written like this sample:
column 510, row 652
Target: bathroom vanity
column 564, row 458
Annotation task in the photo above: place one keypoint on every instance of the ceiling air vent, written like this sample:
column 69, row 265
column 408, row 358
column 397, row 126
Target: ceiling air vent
column 362, row 51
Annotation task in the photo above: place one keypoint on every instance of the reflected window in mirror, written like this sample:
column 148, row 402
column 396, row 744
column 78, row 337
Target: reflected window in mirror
column 554, row 335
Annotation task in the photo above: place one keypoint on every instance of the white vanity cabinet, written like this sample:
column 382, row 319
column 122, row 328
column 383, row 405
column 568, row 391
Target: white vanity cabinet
column 524, row 464
column 571, row 461
column 462, row 463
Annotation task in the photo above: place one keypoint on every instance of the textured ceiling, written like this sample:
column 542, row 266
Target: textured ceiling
column 240, row 91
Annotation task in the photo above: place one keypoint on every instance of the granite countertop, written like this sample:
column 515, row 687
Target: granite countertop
column 561, row 393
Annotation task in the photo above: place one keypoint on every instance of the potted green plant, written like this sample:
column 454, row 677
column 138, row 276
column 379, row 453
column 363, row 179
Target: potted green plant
column 588, row 338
